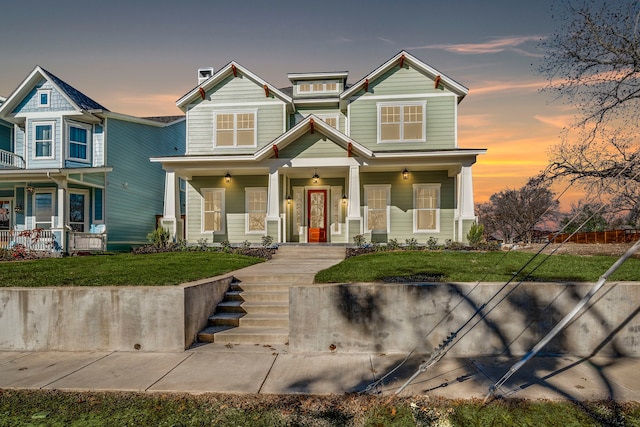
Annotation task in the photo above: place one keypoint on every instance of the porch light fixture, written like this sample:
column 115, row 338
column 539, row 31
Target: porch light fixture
column 18, row 208
column 227, row 178
column 289, row 200
column 316, row 177
column 344, row 199
column 30, row 188
column 405, row 174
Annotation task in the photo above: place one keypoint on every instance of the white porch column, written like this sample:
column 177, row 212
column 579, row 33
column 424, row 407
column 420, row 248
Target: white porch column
column 171, row 211
column 465, row 200
column 273, row 206
column 353, row 211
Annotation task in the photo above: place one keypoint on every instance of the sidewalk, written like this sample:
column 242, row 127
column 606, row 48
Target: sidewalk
column 222, row 368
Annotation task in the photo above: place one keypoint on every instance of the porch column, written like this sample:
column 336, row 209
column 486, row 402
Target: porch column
column 59, row 229
column 273, row 206
column 171, row 213
column 465, row 202
column 354, row 219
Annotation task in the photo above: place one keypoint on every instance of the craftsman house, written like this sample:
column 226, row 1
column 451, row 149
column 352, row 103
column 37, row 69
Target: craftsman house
column 76, row 170
column 322, row 160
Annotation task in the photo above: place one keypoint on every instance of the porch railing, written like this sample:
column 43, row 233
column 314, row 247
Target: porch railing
column 30, row 240
column 81, row 242
column 11, row 160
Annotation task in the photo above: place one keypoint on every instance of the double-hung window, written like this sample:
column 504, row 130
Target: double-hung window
column 235, row 129
column 256, row 205
column 78, row 142
column 377, row 210
column 213, row 210
column 43, row 139
column 402, row 122
column 426, row 208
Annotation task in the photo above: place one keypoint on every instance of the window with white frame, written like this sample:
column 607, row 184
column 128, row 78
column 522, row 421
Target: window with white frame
column 43, row 97
column 377, row 209
column 336, row 210
column 318, row 87
column 330, row 119
column 213, row 210
column 78, row 136
column 235, row 129
column 43, row 209
column 78, row 210
column 402, row 122
column 426, row 208
column 256, row 206
column 43, row 139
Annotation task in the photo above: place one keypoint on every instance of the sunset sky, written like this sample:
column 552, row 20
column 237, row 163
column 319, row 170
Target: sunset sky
column 138, row 57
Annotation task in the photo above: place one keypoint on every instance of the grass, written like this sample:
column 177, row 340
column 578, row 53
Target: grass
column 162, row 269
column 56, row 408
column 474, row 266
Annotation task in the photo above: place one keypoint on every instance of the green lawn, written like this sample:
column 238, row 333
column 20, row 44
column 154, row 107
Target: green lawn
column 121, row 269
column 474, row 266
column 55, row 408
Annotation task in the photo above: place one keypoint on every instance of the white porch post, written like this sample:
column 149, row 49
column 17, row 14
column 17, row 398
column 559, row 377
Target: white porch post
column 171, row 211
column 465, row 199
column 354, row 219
column 59, row 228
column 273, row 206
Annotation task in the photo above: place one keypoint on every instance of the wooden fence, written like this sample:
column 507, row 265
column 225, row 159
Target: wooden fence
column 613, row 236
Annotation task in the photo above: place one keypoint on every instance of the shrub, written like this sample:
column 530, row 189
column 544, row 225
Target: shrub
column 412, row 244
column 160, row 237
column 475, row 235
column 360, row 241
column 393, row 244
column 432, row 243
column 267, row 241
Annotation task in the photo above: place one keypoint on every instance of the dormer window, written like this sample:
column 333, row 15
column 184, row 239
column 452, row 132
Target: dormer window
column 315, row 87
column 43, row 97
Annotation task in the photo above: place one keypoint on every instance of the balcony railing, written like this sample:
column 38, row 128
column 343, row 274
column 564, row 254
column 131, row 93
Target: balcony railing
column 30, row 240
column 11, row 160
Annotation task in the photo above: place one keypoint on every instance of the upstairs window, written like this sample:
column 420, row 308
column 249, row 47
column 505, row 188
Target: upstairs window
column 78, row 142
column 43, row 140
column 43, row 97
column 402, row 122
column 318, row 87
column 235, row 129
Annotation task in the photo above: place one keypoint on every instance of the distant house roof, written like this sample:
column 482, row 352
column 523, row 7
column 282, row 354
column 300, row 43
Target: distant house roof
column 81, row 100
column 164, row 119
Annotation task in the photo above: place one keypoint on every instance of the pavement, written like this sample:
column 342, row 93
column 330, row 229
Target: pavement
column 244, row 368
column 272, row 369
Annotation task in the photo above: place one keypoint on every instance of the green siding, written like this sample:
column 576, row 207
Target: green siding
column 314, row 145
column 135, row 189
column 270, row 120
column 342, row 118
column 401, row 209
column 440, row 112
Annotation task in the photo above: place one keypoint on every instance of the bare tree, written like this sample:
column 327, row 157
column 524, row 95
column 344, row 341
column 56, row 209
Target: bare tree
column 593, row 60
column 514, row 214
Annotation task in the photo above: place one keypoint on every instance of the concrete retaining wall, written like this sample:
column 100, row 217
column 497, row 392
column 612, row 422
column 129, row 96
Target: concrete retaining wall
column 141, row 318
column 401, row 317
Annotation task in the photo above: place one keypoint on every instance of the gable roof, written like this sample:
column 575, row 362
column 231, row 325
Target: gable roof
column 304, row 127
column 223, row 73
column 77, row 99
column 404, row 56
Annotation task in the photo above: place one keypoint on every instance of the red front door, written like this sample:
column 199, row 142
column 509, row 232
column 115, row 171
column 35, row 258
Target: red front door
column 317, row 215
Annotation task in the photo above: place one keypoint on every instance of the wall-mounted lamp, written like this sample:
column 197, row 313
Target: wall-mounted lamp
column 30, row 188
column 405, row 174
column 289, row 199
column 18, row 208
column 344, row 199
column 227, row 178
column 316, row 177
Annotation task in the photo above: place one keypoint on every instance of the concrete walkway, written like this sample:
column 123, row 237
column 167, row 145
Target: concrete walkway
column 271, row 369
column 256, row 369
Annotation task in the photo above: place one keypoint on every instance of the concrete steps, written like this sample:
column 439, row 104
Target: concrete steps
column 255, row 309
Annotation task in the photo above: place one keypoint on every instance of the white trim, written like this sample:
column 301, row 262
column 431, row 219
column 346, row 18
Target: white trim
column 246, row 204
column 404, row 96
column 87, row 202
column 222, row 210
column 436, row 186
column 402, row 105
column 239, row 105
column 39, row 94
column 51, row 123
column 235, row 128
column 67, row 138
column 39, row 115
column 367, row 188
column 43, row 190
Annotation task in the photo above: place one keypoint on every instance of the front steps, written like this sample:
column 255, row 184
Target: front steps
column 255, row 309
